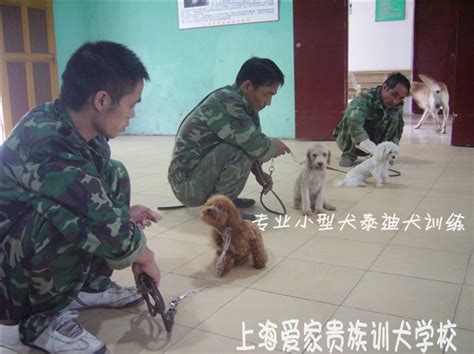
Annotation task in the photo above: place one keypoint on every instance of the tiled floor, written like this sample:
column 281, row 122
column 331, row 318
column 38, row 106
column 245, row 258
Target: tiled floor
column 382, row 278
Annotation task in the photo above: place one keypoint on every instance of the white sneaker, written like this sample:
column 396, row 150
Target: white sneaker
column 65, row 335
column 114, row 297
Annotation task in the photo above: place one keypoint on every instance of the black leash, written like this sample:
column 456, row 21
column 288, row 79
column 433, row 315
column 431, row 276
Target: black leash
column 279, row 200
column 271, row 169
column 171, row 207
column 155, row 302
column 395, row 172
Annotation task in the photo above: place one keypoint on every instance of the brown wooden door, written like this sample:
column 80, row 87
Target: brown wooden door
column 462, row 66
column 320, row 47
column 432, row 32
column 431, row 57
column 28, row 57
column 444, row 49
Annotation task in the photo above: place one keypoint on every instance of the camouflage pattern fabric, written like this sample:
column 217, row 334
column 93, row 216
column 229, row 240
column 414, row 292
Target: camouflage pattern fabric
column 366, row 117
column 64, row 218
column 224, row 170
column 197, row 168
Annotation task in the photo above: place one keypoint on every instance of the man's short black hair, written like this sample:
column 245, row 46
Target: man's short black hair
column 397, row 78
column 261, row 72
column 98, row 66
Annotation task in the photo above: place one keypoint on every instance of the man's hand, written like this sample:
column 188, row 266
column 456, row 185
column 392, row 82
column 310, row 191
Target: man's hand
column 281, row 147
column 367, row 145
column 143, row 216
column 145, row 263
column 264, row 179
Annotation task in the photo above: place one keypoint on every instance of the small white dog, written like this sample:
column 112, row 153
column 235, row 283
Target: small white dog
column 308, row 192
column 431, row 96
column 377, row 166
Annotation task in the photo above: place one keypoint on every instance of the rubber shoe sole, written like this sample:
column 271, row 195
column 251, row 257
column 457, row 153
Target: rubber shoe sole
column 247, row 216
column 243, row 203
column 345, row 162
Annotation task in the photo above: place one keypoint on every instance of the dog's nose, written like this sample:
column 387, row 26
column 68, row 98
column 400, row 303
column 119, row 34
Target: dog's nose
column 320, row 163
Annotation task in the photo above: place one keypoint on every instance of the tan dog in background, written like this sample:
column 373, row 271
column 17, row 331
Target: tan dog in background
column 308, row 192
column 431, row 96
column 245, row 238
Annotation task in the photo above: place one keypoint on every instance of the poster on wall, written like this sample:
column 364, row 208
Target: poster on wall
column 389, row 10
column 209, row 13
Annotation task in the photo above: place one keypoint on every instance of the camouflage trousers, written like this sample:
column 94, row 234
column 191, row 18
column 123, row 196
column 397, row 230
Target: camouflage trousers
column 41, row 272
column 224, row 170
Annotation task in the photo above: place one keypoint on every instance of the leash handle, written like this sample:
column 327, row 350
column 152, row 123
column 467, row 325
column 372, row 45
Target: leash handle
column 154, row 301
column 271, row 169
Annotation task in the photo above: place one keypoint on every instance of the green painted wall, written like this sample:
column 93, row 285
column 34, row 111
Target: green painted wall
column 184, row 65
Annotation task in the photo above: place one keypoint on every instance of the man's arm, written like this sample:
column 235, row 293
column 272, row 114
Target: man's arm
column 70, row 193
column 401, row 124
column 232, row 123
column 357, row 114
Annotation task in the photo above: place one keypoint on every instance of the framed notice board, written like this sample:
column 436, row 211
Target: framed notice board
column 389, row 10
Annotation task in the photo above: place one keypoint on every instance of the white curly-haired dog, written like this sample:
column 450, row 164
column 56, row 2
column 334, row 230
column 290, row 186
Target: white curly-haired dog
column 377, row 166
column 308, row 192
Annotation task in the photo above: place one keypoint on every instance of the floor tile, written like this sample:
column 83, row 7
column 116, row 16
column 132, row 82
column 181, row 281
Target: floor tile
column 256, row 307
column 423, row 263
column 463, row 342
column 470, row 274
column 131, row 332
column 377, row 323
column 308, row 280
column 465, row 312
column 193, row 310
column 203, row 267
column 337, row 251
column 171, row 254
column 436, row 240
column 423, row 274
column 405, row 297
column 194, row 231
column 204, row 342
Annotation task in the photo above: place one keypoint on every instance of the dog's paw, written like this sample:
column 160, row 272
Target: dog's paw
column 220, row 270
column 306, row 212
column 379, row 185
column 328, row 206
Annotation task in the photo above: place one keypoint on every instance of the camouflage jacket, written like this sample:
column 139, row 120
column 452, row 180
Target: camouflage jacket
column 366, row 117
column 223, row 116
column 47, row 166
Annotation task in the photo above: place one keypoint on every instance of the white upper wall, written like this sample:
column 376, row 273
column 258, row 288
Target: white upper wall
column 384, row 45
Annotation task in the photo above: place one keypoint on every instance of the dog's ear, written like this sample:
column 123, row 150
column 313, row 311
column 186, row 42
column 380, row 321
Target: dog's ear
column 233, row 213
column 379, row 152
column 308, row 158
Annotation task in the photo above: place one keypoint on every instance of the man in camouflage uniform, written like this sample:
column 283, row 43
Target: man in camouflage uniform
column 221, row 140
column 65, row 220
column 374, row 116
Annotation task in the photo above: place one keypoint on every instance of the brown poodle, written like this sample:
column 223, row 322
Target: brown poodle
column 245, row 237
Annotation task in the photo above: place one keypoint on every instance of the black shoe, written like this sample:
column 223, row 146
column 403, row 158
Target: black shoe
column 247, row 216
column 243, row 203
